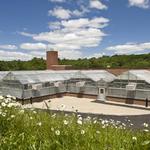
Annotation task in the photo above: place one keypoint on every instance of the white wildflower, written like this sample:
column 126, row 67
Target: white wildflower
column 134, row 138
column 3, row 114
column 146, row 142
column 66, row 122
column 124, row 124
column 3, row 104
column 103, row 122
column 146, row 130
column 145, row 125
column 57, row 132
column 1, row 97
column 82, row 132
column 22, row 111
column 39, row 123
column 13, row 97
column 80, row 118
column 79, row 121
column 12, row 116
column 31, row 118
column 10, row 105
column 9, row 96
column 88, row 118
column 95, row 121
column 6, row 101
column 98, row 132
column 54, row 116
column 34, row 112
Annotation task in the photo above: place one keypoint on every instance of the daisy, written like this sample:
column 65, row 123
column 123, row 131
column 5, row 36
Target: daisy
column 82, row 132
column 57, row 132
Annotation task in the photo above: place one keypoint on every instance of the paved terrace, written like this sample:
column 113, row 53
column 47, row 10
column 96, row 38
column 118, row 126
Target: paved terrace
column 89, row 106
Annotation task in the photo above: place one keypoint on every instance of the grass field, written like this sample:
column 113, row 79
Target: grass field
column 22, row 129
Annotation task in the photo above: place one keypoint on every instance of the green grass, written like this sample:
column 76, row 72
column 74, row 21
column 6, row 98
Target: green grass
column 38, row 130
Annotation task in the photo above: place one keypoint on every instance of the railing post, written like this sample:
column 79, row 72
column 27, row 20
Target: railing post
column 146, row 102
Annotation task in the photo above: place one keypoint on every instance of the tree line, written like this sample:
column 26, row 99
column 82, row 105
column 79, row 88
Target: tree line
column 116, row 61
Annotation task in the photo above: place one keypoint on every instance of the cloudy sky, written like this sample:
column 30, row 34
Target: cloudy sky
column 76, row 28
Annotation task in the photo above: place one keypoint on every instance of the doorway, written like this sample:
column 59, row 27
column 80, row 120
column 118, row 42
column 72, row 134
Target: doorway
column 101, row 94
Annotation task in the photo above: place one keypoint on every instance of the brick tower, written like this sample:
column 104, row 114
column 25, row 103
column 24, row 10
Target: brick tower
column 51, row 59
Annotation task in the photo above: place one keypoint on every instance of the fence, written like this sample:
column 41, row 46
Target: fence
column 122, row 93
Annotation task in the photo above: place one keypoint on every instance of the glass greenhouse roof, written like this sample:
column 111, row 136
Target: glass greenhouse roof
column 67, row 74
column 2, row 74
column 34, row 76
column 26, row 77
column 95, row 75
column 136, row 75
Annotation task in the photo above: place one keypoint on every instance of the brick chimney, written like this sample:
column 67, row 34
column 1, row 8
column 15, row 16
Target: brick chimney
column 51, row 59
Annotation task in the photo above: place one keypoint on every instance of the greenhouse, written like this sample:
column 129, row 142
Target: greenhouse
column 134, row 84
column 27, row 84
column 2, row 74
column 91, row 82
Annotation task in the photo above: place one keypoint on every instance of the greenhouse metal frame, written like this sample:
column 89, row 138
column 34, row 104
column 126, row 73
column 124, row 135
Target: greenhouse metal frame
column 101, row 83
column 27, row 84
column 138, row 78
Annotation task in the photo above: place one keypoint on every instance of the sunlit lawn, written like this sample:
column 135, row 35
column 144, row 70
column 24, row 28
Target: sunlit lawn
column 37, row 130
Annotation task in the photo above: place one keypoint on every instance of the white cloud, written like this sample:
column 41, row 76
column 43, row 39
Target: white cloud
column 26, row 34
column 75, row 34
column 69, row 37
column 33, row 46
column 70, row 54
column 129, row 48
column 17, row 55
column 38, row 54
column 54, row 25
column 60, row 13
column 59, row 1
column 139, row 3
column 9, row 55
column 98, row 22
column 97, row 4
column 9, row 47
column 78, row 39
column 96, row 55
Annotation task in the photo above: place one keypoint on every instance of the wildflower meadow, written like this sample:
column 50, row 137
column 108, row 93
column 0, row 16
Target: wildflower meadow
column 30, row 129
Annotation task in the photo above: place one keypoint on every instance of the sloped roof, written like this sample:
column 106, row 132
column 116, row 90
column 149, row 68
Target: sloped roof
column 34, row 77
column 2, row 74
column 95, row 75
column 136, row 75
column 26, row 77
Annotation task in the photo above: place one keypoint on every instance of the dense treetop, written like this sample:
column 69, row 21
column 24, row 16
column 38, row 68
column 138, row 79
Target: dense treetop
column 116, row 61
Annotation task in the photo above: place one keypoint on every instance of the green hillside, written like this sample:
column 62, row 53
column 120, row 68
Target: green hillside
column 116, row 61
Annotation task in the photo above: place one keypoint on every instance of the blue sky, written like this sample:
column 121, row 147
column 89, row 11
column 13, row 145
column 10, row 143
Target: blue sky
column 76, row 28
